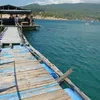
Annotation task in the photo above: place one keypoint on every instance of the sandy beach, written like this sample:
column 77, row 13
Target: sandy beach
column 35, row 17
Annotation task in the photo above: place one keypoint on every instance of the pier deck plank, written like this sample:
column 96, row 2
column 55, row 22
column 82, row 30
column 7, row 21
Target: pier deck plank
column 25, row 78
column 11, row 36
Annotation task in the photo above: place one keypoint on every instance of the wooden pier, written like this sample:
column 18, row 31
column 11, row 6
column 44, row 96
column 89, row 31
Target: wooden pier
column 24, row 77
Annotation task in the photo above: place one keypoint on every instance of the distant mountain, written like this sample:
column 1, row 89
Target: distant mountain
column 81, row 10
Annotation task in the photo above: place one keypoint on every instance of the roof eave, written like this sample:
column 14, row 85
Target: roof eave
column 15, row 11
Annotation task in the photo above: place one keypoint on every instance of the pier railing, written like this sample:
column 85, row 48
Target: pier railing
column 20, row 30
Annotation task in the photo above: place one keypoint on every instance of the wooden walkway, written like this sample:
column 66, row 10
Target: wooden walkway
column 11, row 36
column 23, row 77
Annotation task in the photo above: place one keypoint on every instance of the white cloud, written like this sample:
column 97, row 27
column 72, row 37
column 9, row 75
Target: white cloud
column 90, row 1
column 55, row 1
column 67, row 1
column 43, row 2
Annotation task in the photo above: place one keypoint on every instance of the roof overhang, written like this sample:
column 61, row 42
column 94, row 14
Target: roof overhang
column 9, row 9
column 15, row 11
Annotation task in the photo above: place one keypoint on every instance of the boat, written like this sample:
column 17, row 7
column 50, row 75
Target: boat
column 86, row 23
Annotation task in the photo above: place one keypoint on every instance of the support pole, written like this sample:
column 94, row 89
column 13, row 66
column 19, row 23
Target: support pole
column 1, row 19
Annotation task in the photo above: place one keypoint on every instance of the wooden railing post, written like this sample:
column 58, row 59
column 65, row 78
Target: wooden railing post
column 62, row 78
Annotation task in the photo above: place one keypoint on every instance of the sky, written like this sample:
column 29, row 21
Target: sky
column 43, row 2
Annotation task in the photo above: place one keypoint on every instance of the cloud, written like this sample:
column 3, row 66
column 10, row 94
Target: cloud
column 43, row 2
column 67, row 1
column 90, row 1
column 55, row 1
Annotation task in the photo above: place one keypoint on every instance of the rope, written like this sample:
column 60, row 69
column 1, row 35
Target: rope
column 46, row 29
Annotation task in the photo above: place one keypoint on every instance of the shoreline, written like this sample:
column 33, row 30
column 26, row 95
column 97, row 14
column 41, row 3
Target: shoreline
column 54, row 18
column 48, row 18
column 51, row 18
column 64, row 19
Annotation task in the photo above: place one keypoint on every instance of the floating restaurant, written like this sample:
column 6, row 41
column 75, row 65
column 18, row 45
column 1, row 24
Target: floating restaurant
column 25, row 74
column 14, row 13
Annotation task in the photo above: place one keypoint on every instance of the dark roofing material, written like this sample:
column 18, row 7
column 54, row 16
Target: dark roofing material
column 9, row 9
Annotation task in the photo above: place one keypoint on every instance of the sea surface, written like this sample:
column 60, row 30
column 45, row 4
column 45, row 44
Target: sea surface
column 72, row 44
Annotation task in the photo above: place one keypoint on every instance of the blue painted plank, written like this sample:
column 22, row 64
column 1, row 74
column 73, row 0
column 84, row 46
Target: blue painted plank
column 5, row 61
column 31, row 92
column 73, row 94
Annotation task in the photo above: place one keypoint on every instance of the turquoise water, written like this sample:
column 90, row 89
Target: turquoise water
column 72, row 44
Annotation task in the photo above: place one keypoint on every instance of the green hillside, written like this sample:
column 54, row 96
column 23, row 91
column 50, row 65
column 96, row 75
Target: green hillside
column 71, row 11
